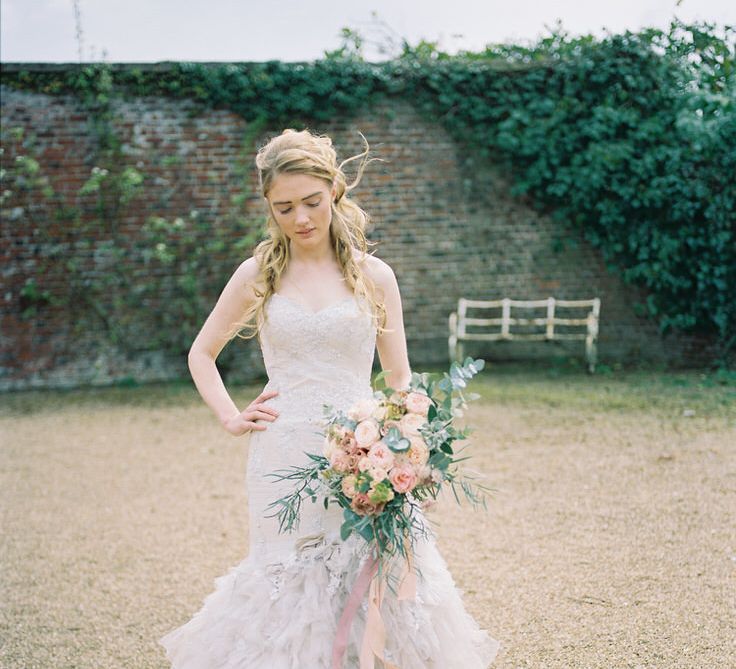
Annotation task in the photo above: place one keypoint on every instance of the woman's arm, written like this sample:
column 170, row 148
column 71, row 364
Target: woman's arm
column 391, row 345
column 235, row 298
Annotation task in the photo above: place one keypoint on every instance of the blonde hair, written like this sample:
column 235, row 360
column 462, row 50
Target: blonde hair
column 302, row 152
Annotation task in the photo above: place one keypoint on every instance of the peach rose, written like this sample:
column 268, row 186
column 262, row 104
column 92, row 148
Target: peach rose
column 410, row 424
column 366, row 432
column 363, row 506
column 364, row 464
column 418, row 403
column 418, row 453
column 348, row 485
column 403, row 478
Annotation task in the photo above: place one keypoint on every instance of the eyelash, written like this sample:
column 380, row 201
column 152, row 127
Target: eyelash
column 286, row 211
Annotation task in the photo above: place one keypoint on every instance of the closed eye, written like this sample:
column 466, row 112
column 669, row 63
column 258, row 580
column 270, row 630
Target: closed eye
column 286, row 211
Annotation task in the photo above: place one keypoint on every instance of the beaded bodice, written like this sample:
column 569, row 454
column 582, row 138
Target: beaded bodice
column 312, row 359
column 319, row 357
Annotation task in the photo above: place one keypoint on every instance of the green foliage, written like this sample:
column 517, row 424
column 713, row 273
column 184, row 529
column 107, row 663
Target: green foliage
column 388, row 515
column 630, row 138
column 147, row 291
column 181, row 254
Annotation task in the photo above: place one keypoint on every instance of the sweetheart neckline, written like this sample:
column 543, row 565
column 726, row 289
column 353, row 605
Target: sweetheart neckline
column 309, row 311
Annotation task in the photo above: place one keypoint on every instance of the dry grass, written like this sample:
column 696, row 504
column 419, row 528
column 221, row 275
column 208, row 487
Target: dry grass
column 609, row 541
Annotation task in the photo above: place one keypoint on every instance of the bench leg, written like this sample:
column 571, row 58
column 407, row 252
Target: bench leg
column 452, row 339
column 591, row 354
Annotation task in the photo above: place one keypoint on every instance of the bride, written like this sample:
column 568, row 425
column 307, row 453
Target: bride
column 320, row 306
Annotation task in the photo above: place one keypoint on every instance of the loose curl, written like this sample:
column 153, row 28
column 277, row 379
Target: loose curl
column 302, row 152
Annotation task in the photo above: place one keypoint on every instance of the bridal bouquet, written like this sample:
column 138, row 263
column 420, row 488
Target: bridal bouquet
column 387, row 457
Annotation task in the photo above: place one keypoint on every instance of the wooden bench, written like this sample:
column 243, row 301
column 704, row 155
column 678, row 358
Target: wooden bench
column 500, row 329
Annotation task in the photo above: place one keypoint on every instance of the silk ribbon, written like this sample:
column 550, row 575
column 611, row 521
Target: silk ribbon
column 374, row 636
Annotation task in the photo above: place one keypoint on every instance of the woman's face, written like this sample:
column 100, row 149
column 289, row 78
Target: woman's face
column 301, row 206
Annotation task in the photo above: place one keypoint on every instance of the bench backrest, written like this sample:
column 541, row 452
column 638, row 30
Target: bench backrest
column 502, row 327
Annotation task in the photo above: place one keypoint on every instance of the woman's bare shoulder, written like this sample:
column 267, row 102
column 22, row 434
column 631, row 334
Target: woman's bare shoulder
column 248, row 271
column 247, row 276
column 377, row 270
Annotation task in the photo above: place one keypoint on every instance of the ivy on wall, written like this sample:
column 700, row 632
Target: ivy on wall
column 630, row 138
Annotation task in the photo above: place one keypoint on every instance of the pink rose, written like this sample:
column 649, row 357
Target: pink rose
column 381, row 456
column 348, row 486
column 364, row 464
column 403, row 478
column 418, row 403
column 366, row 432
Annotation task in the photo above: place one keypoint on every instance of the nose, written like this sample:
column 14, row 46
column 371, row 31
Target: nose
column 302, row 216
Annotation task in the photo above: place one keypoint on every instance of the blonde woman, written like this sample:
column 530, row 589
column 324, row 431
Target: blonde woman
column 320, row 306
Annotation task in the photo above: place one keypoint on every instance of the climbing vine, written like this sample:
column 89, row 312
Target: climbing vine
column 630, row 138
column 103, row 276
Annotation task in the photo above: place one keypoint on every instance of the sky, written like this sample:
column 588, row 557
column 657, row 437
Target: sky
column 293, row 30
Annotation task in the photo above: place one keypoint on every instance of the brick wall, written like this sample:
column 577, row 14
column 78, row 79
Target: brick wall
column 443, row 217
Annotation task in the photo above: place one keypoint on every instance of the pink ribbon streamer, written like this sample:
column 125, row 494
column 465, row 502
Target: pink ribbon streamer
column 374, row 636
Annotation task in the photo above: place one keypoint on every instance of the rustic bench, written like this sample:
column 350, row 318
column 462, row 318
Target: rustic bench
column 465, row 328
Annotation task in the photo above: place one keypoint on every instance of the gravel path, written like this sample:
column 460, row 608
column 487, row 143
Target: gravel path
column 609, row 542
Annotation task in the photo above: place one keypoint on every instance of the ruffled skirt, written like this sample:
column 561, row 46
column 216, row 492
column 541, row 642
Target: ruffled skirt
column 269, row 613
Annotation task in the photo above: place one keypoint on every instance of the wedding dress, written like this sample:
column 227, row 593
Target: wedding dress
column 279, row 608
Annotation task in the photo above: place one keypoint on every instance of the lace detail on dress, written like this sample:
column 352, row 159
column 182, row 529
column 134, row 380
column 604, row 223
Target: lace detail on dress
column 278, row 609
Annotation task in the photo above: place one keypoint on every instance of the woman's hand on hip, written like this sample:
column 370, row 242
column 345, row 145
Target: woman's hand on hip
column 245, row 421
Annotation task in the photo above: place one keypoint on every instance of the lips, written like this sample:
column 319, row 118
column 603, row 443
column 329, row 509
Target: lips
column 304, row 233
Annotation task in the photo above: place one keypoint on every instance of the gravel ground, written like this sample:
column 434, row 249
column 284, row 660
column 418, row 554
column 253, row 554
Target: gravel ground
column 609, row 540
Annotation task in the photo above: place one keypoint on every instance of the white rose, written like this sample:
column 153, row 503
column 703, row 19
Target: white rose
column 366, row 433
column 380, row 412
column 377, row 473
column 410, row 424
column 362, row 409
